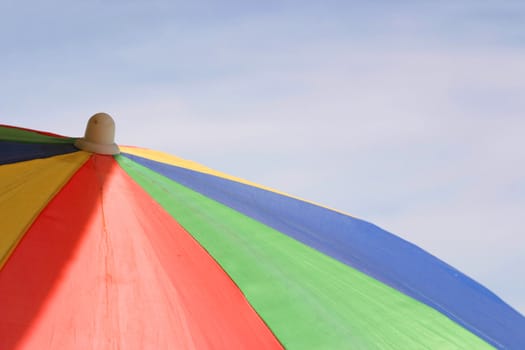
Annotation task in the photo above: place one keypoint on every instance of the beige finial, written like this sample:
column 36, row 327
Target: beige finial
column 99, row 136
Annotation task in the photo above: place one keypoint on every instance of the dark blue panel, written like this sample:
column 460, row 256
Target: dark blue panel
column 369, row 249
column 12, row 152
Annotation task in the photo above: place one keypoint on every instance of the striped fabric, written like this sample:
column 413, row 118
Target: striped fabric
column 145, row 250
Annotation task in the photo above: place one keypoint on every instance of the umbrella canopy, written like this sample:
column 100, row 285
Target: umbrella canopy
column 144, row 250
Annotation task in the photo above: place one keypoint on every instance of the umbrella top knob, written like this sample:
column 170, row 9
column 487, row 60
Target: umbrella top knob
column 99, row 136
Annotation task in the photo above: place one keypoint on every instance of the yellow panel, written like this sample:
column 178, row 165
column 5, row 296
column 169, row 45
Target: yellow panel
column 26, row 188
column 189, row 164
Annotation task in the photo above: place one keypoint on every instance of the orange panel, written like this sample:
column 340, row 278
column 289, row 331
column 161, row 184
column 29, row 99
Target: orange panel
column 105, row 267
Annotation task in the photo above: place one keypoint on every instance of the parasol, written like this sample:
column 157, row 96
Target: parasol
column 107, row 247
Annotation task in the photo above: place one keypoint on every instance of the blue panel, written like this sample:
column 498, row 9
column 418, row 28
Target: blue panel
column 369, row 249
column 12, row 152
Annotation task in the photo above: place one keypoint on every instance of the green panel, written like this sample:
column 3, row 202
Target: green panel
column 19, row 135
column 309, row 300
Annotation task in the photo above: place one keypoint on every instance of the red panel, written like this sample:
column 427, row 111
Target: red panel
column 105, row 267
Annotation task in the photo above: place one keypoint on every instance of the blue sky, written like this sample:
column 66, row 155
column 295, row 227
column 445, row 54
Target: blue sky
column 408, row 114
